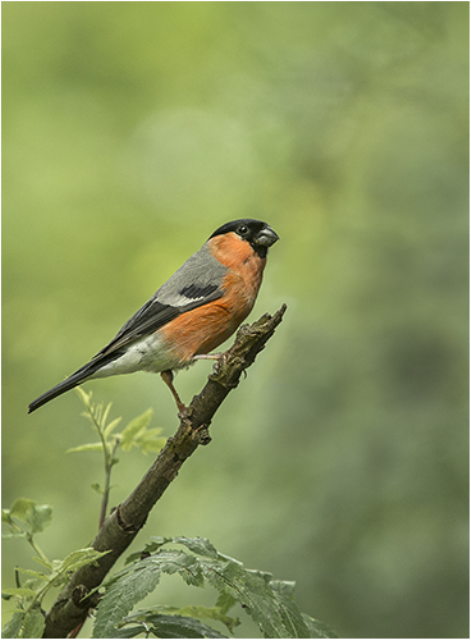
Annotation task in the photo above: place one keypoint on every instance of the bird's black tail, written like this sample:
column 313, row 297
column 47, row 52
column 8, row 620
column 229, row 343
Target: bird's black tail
column 69, row 383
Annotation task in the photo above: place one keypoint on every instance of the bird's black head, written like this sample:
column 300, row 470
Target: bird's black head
column 259, row 234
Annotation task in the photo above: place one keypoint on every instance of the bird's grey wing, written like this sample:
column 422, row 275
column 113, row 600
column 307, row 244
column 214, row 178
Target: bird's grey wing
column 196, row 283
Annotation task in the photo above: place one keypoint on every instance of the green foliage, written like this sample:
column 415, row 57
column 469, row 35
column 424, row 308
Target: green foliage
column 25, row 519
column 164, row 626
column 135, row 434
column 268, row 602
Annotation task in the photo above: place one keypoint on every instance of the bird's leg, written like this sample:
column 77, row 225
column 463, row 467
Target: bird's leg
column 167, row 377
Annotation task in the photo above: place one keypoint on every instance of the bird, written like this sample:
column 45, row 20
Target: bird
column 199, row 307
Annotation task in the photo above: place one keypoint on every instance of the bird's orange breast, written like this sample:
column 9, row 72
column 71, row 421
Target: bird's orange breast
column 203, row 329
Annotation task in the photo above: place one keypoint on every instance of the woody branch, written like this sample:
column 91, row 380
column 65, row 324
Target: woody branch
column 121, row 527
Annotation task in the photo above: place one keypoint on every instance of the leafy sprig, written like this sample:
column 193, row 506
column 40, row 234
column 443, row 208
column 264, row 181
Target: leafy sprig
column 135, row 434
column 269, row 603
column 25, row 519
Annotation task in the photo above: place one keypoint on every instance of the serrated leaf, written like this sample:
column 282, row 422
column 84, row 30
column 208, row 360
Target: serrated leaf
column 125, row 590
column 150, row 547
column 158, row 541
column 181, row 627
column 317, row 628
column 134, row 582
column 284, row 587
column 212, row 613
column 33, row 624
column 268, row 602
column 277, row 616
column 13, row 626
column 133, row 428
column 200, row 546
column 92, row 446
column 155, row 616
column 225, row 602
column 130, row 632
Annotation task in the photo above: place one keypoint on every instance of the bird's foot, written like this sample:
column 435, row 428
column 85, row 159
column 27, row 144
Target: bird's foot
column 167, row 377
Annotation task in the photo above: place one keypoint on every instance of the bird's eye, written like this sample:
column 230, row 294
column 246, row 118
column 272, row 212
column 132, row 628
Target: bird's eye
column 243, row 230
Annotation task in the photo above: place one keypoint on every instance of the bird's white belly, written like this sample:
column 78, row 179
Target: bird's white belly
column 149, row 354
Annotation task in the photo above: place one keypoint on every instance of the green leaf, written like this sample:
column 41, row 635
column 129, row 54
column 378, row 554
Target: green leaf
column 33, row 624
column 148, row 441
column 200, row 546
column 92, row 446
column 277, row 616
column 137, row 425
column 150, row 547
column 36, row 517
column 6, row 516
column 74, row 561
column 131, row 632
column 211, row 613
column 13, row 626
column 45, row 563
column 180, row 627
column 270, row 603
column 225, row 602
column 164, row 625
column 34, row 574
column 132, row 584
column 111, row 426
column 106, row 412
column 84, row 396
column 125, row 590
column 284, row 587
column 20, row 592
column 317, row 628
column 78, row 559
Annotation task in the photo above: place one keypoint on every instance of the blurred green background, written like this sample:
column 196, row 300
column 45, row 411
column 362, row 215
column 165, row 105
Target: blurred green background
column 132, row 130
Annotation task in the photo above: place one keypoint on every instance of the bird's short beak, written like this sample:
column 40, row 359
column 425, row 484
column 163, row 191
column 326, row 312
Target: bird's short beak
column 266, row 237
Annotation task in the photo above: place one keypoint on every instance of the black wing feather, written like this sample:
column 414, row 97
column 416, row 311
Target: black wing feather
column 154, row 315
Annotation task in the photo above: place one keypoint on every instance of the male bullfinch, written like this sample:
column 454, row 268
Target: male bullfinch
column 194, row 312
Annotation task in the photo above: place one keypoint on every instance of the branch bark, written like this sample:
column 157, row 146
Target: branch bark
column 121, row 527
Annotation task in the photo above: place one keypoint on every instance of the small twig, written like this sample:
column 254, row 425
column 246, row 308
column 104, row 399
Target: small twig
column 121, row 527
column 109, row 462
